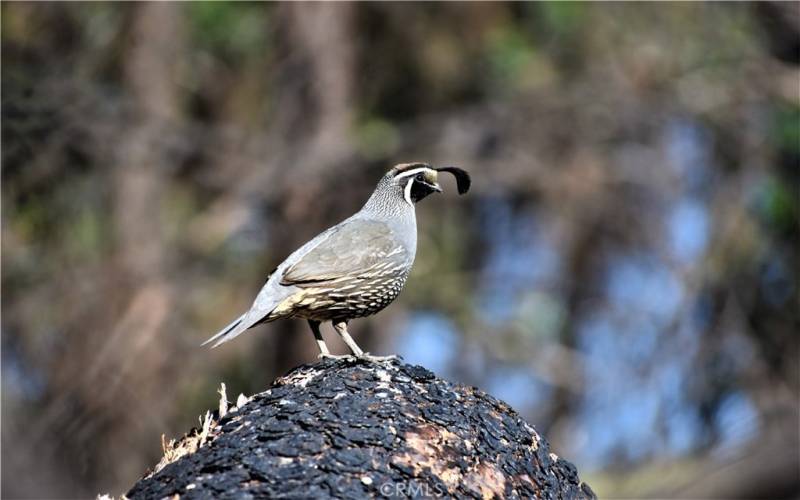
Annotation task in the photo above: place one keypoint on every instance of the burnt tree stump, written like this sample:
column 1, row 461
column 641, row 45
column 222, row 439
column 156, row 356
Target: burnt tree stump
column 350, row 429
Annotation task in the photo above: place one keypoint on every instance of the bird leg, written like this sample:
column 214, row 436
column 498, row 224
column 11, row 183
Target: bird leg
column 323, row 348
column 341, row 329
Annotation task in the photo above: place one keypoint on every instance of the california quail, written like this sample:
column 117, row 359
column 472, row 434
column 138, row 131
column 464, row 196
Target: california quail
column 354, row 269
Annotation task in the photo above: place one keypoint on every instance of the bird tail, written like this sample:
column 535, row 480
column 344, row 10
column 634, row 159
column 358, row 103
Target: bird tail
column 233, row 330
column 260, row 312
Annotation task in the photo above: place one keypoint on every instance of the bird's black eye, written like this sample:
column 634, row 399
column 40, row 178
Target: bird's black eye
column 419, row 177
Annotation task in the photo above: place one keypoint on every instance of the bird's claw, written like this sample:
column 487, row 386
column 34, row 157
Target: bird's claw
column 349, row 357
column 378, row 359
column 364, row 356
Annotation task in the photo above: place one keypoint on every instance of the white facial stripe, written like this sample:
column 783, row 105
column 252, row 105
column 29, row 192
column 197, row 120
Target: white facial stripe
column 407, row 191
column 411, row 172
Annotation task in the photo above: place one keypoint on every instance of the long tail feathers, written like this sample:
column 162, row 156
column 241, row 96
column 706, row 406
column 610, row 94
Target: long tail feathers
column 231, row 331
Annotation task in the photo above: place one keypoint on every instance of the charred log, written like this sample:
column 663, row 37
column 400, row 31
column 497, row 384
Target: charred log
column 350, row 429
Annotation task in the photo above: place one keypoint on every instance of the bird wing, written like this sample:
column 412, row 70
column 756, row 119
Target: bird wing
column 354, row 249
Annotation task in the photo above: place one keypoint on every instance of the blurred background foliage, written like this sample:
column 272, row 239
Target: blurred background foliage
column 624, row 272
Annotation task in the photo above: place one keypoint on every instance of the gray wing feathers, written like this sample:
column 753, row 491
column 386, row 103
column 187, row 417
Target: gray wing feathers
column 349, row 251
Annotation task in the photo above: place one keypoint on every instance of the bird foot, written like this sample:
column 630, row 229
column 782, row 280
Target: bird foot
column 378, row 359
column 337, row 356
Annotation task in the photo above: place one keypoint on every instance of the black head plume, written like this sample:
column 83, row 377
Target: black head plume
column 462, row 178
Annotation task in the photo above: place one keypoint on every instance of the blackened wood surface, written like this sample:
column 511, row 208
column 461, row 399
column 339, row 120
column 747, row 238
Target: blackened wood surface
column 348, row 429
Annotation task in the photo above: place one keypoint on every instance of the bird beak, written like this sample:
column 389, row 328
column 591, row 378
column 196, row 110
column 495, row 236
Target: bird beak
column 436, row 187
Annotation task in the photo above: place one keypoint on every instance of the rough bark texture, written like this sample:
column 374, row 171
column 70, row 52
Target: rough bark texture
column 348, row 429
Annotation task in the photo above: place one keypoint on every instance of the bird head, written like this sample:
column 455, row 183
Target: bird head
column 418, row 180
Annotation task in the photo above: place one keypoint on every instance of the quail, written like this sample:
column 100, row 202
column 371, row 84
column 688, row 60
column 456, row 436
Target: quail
column 353, row 269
